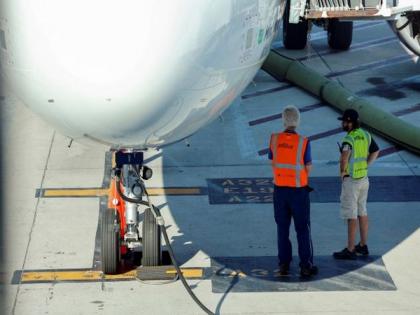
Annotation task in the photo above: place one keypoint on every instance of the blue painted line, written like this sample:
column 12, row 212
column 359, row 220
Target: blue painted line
column 326, row 189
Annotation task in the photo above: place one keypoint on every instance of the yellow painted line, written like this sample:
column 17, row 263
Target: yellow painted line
column 123, row 276
column 82, row 192
column 88, row 275
column 60, row 275
column 188, row 273
column 93, row 275
column 98, row 192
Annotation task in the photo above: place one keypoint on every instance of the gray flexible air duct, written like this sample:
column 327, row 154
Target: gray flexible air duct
column 386, row 124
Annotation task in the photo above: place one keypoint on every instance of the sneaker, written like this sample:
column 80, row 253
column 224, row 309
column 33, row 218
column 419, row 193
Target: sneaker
column 283, row 269
column 308, row 271
column 362, row 250
column 345, row 254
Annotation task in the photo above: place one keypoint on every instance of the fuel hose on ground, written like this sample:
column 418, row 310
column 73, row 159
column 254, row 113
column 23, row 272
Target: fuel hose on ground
column 160, row 221
column 178, row 270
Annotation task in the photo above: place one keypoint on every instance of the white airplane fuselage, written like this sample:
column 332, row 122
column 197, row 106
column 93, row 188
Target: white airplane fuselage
column 133, row 74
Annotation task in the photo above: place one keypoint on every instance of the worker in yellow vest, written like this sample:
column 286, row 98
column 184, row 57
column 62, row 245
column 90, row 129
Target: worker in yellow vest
column 291, row 162
column 358, row 151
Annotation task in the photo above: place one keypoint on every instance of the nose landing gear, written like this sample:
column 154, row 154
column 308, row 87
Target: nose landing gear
column 121, row 228
column 120, row 223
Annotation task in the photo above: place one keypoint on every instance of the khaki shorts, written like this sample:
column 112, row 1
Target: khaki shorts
column 354, row 193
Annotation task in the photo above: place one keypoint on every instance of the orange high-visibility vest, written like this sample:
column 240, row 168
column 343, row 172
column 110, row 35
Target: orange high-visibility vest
column 288, row 159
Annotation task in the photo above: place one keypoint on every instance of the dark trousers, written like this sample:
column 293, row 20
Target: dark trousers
column 293, row 203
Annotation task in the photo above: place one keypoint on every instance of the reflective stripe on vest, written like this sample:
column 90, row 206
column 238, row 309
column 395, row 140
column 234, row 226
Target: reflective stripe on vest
column 360, row 142
column 299, row 177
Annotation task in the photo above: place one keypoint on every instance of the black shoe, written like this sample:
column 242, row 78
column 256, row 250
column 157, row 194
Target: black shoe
column 308, row 271
column 345, row 254
column 283, row 269
column 362, row 250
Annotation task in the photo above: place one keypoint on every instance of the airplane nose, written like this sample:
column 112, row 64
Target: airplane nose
column 135, row 73
column 122, row 108
column 130, row 116
column 112, row 74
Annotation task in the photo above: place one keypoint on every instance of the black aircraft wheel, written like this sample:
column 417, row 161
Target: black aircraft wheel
column 152, row 255
column 340, row 34
column 110, row 243
column 294, row 35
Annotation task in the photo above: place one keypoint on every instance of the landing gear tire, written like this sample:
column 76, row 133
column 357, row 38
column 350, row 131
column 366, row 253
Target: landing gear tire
column 340, row 34
column 111, row 241
column 294, row 35
column 152, row 255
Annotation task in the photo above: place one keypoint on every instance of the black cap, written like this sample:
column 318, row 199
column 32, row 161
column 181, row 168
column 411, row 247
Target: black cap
column 349, row 115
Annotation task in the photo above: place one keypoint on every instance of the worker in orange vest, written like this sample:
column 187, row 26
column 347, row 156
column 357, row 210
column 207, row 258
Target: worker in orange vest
column 291, row 162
